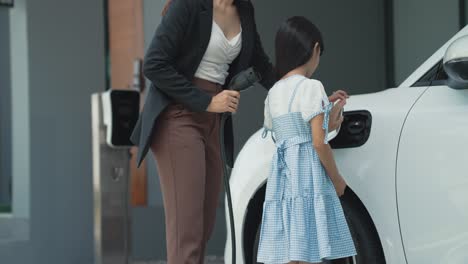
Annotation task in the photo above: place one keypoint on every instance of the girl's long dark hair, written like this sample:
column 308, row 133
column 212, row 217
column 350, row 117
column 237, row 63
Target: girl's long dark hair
column 294, row 44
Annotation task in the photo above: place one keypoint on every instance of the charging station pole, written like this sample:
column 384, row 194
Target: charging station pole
column 111, row 170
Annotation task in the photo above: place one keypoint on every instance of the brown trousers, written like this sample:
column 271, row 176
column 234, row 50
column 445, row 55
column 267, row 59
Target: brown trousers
column 187, row 151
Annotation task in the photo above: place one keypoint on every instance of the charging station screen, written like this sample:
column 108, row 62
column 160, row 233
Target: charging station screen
column 125, row 112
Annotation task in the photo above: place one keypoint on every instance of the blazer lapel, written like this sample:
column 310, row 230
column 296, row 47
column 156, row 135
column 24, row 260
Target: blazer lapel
column 206, row 24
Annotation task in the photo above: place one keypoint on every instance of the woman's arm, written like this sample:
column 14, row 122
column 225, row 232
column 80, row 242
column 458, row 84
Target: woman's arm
column 260, row 61
column 161, row 56
column 325, row 154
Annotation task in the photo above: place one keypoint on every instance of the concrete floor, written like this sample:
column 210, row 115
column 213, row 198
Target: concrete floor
column 220, row 260
column 208, row 260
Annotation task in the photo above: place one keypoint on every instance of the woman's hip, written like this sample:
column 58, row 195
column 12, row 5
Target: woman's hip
column 177, row 118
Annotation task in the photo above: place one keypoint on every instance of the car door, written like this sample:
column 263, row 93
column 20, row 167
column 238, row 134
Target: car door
column 432, row 174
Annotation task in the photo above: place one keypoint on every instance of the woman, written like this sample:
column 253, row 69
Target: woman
column 198, row 47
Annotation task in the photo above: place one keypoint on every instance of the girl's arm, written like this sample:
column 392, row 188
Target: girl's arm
column 336, row 118
column 325, row 154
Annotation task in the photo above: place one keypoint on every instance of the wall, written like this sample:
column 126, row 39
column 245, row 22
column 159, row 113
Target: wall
column 63, row 52
column 5, row 108
column 421, row 27
column 67, row 66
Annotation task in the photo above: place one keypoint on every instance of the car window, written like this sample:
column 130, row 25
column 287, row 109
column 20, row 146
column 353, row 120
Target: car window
column 435, row 76
column 428, row 77
column 441, row 78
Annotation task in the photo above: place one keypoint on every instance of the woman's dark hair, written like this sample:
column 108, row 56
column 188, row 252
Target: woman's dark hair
column 295, row 41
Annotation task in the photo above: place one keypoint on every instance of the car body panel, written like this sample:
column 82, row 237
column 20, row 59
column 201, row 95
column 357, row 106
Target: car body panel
column 432, row 177
column 370, row 169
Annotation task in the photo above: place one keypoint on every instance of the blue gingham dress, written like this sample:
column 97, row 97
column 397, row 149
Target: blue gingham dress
column 302, row 215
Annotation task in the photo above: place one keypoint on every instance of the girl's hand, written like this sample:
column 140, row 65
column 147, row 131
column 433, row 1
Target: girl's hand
column 336, row 118
column 340, row 185
column 225, row 101
column 338, row 95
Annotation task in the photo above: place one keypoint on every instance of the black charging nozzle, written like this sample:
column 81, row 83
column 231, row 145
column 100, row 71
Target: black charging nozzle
column 244, row 80
column 239, row 82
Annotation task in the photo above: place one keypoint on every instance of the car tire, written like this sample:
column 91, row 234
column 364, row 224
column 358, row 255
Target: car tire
column 366, row 240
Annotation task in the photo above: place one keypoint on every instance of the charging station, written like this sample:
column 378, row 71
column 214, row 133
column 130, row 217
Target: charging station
column 114, row 115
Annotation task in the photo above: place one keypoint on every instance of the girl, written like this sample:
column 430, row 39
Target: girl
column 302, row 218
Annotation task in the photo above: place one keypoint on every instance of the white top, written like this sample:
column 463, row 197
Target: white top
column 220, row 53
column 309, row 99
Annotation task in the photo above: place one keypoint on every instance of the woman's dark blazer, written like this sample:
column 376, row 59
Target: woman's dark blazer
column 174, row 55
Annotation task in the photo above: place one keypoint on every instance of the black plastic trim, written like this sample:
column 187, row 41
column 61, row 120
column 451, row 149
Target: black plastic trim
column 348, row 139
column 428, row 77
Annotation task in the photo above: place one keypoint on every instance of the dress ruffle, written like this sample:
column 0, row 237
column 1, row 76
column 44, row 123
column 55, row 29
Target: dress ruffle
column 313, row 229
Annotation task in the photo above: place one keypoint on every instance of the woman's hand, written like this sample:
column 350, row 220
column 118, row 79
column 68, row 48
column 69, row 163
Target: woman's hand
column 336, row 118
column 340, row 184
column 338, row 95
column 225, row 101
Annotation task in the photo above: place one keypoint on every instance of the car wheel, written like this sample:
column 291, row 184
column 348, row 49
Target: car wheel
column 255, row 249
column 366, row 240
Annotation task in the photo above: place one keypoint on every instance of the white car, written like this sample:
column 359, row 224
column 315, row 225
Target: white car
column 404, row 154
